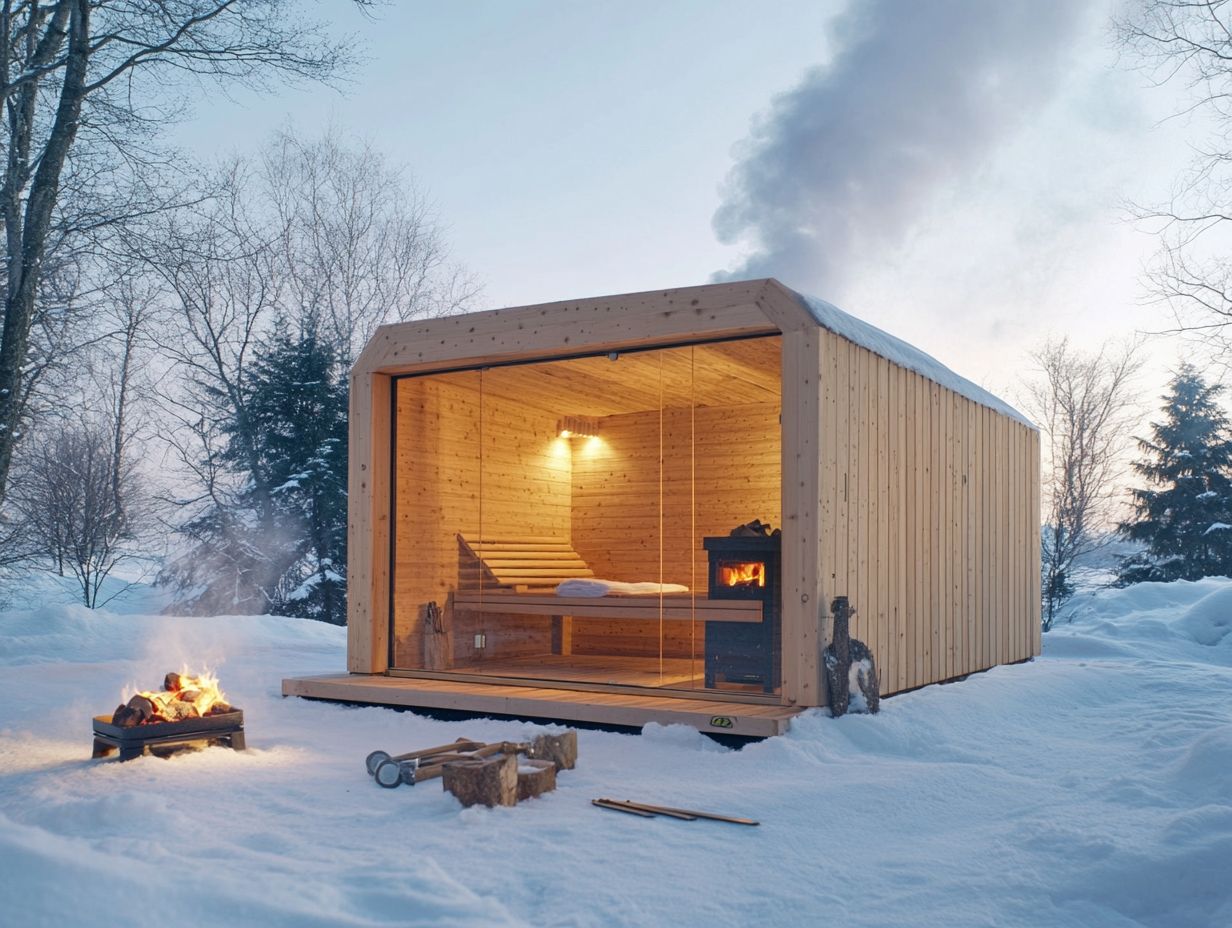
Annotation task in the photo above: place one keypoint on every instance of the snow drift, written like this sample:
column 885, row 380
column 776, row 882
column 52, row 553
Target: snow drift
column 1087, row 788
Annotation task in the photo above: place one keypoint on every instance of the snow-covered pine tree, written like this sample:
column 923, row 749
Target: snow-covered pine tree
column 271, row 535
column 1184, row 516
column 297, row 410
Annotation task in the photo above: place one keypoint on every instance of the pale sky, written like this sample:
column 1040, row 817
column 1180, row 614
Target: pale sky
column 577, row 149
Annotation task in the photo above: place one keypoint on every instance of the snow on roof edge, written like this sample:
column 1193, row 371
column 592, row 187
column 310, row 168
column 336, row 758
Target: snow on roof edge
column 894, row 349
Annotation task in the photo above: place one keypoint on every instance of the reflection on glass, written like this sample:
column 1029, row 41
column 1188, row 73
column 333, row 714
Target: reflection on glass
column 553, row 519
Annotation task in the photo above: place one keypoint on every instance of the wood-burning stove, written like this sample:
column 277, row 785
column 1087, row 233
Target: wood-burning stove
column 745, row 652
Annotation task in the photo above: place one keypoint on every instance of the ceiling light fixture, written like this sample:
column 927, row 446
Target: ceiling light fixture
column 577, row 427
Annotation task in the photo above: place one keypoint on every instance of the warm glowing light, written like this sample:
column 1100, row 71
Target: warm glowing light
column 586, row 449
column 752, row 573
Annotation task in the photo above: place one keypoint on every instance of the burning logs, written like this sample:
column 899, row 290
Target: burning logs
column 183, row 696
column 136, row 712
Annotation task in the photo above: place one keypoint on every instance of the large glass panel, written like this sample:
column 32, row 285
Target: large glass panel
column 437, row 423
column 737, row 489
column 615, row 469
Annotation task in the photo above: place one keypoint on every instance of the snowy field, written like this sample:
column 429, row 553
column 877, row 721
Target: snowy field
column 1092, row 787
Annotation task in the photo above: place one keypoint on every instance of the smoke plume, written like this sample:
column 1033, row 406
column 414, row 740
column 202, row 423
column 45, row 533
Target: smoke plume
column 916, row 96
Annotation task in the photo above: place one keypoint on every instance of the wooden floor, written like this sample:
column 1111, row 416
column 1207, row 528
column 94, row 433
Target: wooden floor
column 540, row 702
column 679, row 673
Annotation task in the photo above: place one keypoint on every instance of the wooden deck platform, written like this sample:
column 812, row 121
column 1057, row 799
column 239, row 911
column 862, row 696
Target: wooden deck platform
column 676, row 673
column 731, row 718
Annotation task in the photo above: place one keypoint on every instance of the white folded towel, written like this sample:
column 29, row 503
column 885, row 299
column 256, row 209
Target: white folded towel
column 595, row 588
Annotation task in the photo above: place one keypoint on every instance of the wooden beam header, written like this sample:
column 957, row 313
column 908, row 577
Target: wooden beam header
column 648, row 319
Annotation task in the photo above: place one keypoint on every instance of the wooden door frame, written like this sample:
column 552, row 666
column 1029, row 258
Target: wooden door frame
column 662, row 319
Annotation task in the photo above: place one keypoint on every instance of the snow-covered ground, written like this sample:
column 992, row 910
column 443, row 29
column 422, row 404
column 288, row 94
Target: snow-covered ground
column 1092, row 787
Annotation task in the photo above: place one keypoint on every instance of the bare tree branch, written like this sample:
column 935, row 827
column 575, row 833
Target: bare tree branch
column 86, row 87
column 1190, row 42
column 1086, row 407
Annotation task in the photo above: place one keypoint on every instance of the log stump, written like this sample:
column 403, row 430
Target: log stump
column 488, row 781
column 560, row 749
column 535, row 777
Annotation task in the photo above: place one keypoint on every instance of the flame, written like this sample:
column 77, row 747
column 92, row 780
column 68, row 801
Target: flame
column 187, row 695
column 751, row 573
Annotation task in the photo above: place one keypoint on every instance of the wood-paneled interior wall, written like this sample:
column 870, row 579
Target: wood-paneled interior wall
column 730, row 475
column 525, row 482
column 929, row 520
column 721, row 466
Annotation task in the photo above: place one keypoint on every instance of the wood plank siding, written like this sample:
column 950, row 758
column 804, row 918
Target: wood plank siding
column 714, row 405
column 928, row 520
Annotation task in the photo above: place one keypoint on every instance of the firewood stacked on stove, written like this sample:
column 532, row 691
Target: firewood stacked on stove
column 755, row 529
column 183, row 696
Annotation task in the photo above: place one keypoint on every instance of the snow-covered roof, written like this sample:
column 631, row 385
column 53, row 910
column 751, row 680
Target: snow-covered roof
column 898, row 351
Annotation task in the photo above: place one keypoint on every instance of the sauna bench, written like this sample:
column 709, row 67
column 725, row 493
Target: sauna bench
column 676, row 606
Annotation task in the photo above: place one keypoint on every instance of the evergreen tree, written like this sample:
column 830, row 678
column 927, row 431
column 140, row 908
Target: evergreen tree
column 1184, row 516
column 277, row 542
column 297, row 402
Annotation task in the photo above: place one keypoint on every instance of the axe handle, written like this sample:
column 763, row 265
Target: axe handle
column 436, row 767
column 466, row 752
column 428, row 773
column 461, row 745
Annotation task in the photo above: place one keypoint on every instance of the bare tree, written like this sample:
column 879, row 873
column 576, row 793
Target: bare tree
column 85, row 87
column 79, row 503
column 132, row 308
column 80, row 498
column 360, row 245
column 311, row 235
column 1086, row 408
column 219, row 269
column 1190, row 42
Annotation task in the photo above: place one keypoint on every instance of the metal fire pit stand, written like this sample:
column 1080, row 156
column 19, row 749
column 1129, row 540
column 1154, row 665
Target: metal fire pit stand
column 225, row 728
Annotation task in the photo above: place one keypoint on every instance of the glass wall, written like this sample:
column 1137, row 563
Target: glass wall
column 551, row 518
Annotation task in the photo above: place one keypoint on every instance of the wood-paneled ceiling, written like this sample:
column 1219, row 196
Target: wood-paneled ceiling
column 719, row 374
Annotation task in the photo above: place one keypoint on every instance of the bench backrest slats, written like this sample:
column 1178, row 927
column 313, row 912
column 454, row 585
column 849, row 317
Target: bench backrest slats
column 520, row 562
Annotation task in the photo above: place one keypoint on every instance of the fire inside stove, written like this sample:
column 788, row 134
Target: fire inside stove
column 184, row 696
column 743, row 574
column 745, row 565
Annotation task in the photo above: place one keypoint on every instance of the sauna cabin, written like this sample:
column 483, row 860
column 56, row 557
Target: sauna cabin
column 640, row 507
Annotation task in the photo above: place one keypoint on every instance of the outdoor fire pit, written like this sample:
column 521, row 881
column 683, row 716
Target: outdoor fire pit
column 188, row 709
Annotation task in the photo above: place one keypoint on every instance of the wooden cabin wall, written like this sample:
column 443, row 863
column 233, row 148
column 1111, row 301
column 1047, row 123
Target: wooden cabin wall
column 929, row 520
column 732, row 475
column 526, row 491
